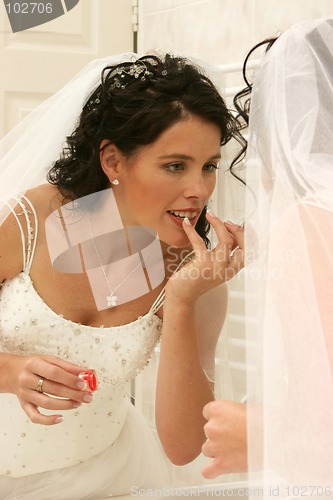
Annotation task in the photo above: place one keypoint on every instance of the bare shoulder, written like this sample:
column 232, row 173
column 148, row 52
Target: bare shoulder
column 44, row 199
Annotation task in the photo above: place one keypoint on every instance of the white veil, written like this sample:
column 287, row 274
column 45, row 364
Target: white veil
column 289, row 277
column 29, row 150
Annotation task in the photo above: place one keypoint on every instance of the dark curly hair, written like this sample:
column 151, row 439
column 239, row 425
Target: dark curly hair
column 242, row 104
column 134, row 103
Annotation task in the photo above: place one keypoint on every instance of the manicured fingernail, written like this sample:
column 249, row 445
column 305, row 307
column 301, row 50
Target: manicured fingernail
column 58, row 420
column 88, row 398
column 76, row 404
column 186, row 221
column 81, row 384
column 210, row 212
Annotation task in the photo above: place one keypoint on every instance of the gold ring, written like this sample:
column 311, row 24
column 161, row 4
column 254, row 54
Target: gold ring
column 39, row 387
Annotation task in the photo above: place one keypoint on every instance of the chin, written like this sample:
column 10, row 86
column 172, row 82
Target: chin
column 176, row 241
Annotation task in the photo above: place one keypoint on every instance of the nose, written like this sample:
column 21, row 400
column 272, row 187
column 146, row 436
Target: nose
column 199, row 187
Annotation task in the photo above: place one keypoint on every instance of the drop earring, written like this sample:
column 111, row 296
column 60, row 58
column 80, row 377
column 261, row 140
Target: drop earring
column 115, row 182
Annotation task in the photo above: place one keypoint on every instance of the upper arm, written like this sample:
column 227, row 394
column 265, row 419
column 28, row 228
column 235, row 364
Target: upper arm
column 18, row 233
column 211, row 310
column 11, row 249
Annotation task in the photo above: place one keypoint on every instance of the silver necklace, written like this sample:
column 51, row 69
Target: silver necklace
column 111, row 300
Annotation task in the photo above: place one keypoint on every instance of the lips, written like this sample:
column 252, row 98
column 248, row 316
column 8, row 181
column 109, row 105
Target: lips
column 184, row 213
column 178, row 216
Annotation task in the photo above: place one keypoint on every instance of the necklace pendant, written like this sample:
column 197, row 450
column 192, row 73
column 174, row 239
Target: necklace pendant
column 111, row 300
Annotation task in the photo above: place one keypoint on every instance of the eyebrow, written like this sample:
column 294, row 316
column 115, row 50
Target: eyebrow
column 187, row 157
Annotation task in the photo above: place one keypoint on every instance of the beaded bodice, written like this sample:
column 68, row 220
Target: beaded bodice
column 28, row 325
column 117, row 354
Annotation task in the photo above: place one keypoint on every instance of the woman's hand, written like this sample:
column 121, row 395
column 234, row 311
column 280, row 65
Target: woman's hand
column 60, row 388
column 208, row 268
column 226, row 433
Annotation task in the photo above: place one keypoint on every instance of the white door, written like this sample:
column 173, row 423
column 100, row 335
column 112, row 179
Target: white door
column 37, row 62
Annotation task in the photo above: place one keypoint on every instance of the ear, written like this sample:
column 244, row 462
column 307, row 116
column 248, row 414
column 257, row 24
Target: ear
column 111, row 159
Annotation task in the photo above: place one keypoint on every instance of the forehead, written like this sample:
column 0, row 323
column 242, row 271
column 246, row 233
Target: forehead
column 191, row 133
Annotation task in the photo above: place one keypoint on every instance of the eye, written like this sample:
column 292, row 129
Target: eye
column 175, row 167
column 210, row 167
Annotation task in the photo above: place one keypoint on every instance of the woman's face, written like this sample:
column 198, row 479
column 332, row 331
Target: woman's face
column 170, row 179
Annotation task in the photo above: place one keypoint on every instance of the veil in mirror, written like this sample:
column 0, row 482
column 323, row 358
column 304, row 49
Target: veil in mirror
column 289, row 277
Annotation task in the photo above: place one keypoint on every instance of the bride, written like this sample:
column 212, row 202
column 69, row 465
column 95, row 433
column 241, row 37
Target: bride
column 101, row 261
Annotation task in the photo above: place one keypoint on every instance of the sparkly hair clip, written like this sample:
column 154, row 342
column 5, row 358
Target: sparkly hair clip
column 136, row 70
column 122, row 76
column 93, row 103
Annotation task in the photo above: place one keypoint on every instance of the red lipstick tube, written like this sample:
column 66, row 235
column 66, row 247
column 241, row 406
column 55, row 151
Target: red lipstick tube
column 89, row 377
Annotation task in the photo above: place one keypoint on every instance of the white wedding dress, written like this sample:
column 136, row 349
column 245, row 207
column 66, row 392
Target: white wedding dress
column 101, row 449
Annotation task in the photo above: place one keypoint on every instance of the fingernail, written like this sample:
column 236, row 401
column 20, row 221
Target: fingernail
column 77, row 404
column 81, row 384
column 228, row 223
column 186, row 221
column 210, row 212
column 88, row 398
column 58, row 420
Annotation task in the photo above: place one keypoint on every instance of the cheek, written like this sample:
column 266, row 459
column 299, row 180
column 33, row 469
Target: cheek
column 145, row 199
column 211, row 185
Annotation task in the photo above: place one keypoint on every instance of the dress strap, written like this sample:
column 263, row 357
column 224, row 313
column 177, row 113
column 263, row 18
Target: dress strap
column 29, row 243
column 159, row 301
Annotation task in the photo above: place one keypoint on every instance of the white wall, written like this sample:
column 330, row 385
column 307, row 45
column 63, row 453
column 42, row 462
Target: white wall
column 220, row 31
